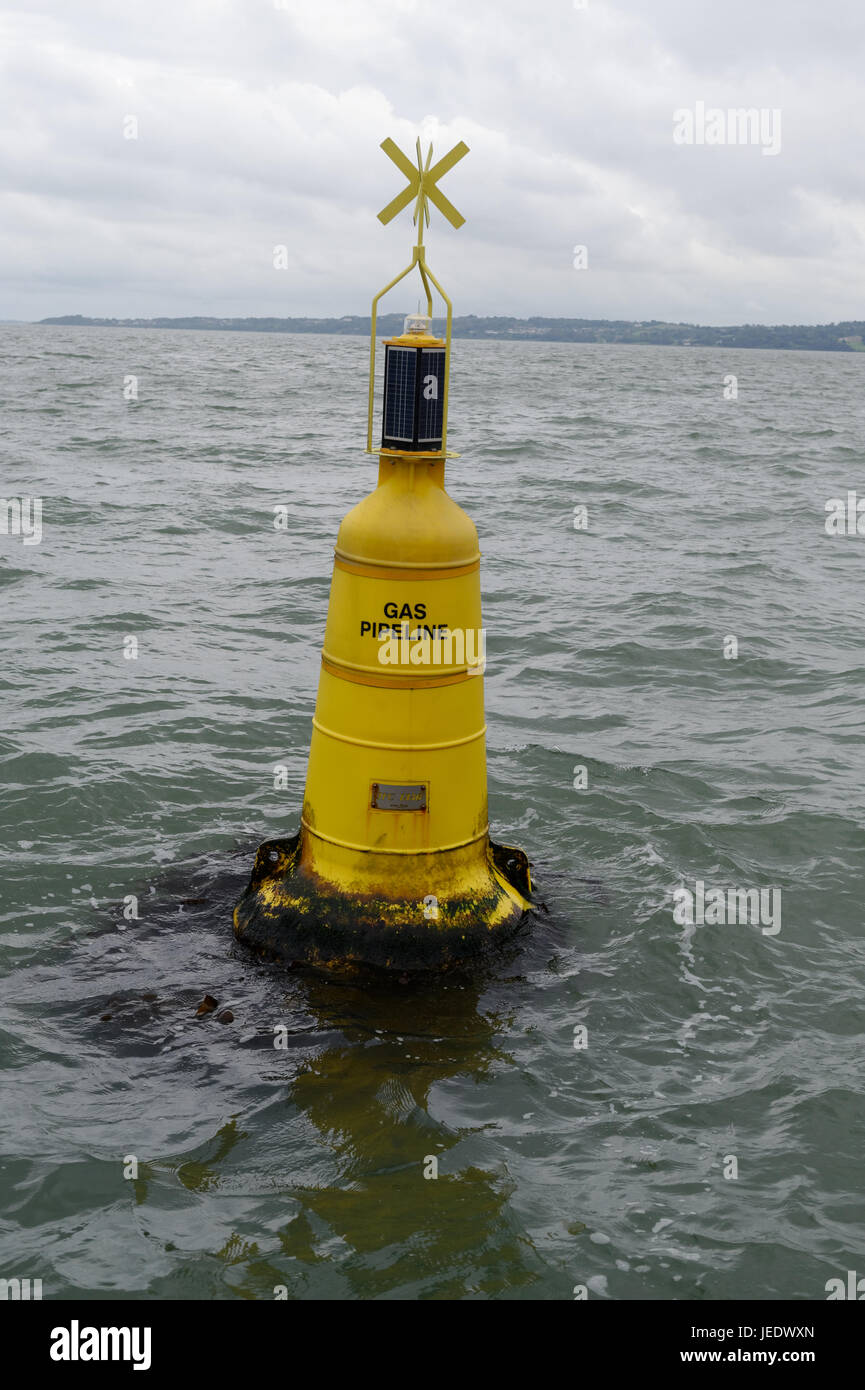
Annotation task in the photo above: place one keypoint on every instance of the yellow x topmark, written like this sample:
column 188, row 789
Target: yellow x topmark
column 422, row 183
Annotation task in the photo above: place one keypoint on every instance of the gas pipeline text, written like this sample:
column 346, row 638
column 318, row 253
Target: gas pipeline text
column 404, row 613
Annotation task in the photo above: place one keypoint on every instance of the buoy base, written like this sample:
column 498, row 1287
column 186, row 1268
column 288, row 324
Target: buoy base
column 451, row 908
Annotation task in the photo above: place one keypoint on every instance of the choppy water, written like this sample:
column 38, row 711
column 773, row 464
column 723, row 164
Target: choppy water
column 304, row 1167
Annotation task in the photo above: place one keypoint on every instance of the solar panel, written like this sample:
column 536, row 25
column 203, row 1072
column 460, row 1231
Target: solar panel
column 414, row 380
column 399, row 392
column 429, row 427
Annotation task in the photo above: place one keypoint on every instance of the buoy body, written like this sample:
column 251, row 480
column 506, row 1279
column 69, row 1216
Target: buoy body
column 393, row 864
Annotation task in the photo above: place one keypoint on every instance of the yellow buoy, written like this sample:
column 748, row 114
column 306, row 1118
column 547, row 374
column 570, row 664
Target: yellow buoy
column 393, row 863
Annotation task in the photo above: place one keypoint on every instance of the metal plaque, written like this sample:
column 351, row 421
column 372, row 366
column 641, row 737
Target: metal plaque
column 390, row 796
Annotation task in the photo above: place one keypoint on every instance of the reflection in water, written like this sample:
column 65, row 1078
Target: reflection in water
column 369, row 1099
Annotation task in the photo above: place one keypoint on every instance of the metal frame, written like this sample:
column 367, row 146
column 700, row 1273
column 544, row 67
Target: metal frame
column 421, row 182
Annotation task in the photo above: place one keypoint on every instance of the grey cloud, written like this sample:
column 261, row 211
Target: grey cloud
column 260, row 126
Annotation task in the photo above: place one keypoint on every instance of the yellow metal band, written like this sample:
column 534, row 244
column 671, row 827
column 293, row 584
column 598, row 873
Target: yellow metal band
column 400, row 747
column 369, row 675
column 367, row 849
column 424, row 456
column 405, row 569
column 411, row 455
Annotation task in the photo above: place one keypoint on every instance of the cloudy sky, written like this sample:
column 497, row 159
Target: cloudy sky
column 259, row 124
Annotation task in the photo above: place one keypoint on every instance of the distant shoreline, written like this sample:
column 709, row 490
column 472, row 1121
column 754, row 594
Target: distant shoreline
column 830, row 337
